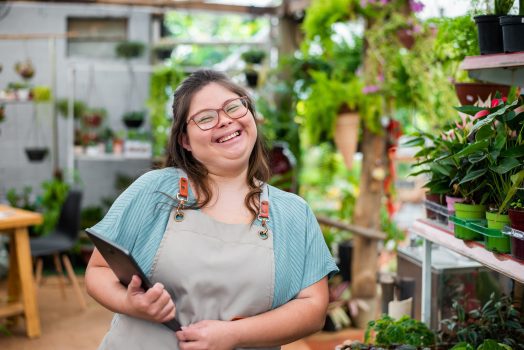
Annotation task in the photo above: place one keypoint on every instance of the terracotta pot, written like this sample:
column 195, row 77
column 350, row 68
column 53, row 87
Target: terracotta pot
column 346, row 136
column 469, row 93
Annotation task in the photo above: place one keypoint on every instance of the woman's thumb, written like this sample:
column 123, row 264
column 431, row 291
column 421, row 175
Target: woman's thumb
column 135, row 284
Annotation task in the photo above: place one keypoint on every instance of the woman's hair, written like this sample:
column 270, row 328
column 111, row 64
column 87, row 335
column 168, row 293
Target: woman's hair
column 179, row 157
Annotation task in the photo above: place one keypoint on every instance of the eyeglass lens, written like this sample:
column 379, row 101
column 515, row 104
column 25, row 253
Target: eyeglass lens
column 209, row 119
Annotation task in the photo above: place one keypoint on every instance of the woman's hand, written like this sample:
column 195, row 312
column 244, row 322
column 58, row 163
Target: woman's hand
column 153, row 305
column 206, row 335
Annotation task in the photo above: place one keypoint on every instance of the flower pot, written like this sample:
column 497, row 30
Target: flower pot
column 489, row 34
column 513, row 33
column 469, row 93
column 450, row 203
column 468, row 212
column 436, row 208
column 346, row 136
column 252, row 78
column 516, row 218
column 92, row 120
column 497, row 221
column 133, row 123
column 36, row 154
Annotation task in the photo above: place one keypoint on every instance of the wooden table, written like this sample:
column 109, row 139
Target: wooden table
column 21, row 291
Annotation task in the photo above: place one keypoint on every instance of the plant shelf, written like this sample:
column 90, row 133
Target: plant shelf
column 502, row 68
column 441, row 235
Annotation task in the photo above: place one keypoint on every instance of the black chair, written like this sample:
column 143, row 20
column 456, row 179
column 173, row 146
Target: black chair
column 59, row 242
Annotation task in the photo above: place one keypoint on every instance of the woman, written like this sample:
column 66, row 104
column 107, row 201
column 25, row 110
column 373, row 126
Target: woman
column 240, row 263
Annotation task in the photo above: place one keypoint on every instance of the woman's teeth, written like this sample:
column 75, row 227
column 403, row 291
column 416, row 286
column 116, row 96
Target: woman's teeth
column 229, row 137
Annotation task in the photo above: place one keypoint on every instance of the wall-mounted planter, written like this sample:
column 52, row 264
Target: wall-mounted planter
column 36, row 154
column 133, row 123
column 469, row 93
column 489, row 34
column 513, row 33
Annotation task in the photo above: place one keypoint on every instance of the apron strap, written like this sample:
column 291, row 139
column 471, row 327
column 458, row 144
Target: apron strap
column 183, row 194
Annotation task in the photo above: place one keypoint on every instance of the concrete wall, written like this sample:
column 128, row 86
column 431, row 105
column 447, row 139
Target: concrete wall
column 100, row 83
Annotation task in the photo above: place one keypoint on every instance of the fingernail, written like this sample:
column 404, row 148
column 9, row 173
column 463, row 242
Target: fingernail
column 183, row 328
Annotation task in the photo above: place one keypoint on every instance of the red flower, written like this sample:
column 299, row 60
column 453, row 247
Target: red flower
column 495, row 102
column 480, row 114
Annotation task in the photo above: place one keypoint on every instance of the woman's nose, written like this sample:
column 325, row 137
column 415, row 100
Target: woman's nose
column 223, row 119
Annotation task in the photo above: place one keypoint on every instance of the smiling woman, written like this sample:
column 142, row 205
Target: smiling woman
column 239, row 263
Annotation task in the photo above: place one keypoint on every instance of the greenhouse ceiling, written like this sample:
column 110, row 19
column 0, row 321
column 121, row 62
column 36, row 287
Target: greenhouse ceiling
column 243, row 6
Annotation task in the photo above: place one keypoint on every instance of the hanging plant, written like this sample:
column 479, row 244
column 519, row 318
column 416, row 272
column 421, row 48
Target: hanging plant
column 162, row 84
column 25, row 69
column 129, row 49
column 2, row 112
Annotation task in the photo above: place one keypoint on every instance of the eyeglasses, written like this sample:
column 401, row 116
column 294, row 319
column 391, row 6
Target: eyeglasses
column 208, row 118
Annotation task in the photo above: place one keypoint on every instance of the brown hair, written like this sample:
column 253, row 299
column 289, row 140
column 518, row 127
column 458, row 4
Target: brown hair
column 179, row 157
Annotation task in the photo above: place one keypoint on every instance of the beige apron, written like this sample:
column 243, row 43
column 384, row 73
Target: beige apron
column 215, row 271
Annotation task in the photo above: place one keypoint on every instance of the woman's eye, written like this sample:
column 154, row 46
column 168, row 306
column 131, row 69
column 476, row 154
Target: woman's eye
column 232, row 108
column 205, row 119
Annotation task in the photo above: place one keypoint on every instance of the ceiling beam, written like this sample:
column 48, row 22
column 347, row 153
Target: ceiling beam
column 173, row 4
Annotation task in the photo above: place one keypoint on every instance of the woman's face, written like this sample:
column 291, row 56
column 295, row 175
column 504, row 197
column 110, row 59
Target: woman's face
column 227, row 146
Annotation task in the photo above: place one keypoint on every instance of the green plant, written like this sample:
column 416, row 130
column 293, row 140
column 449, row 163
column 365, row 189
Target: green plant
column 502, row 7
column 487, row 344
column 21, row 200
column 405, row 330
column 42, row 93
column 129, row 49
column 253, row 56
column 161, row 86
column 90, row 216
column 456, row 38
column 62, row 106
column 496, row 144
column 54, row 193
column 134, row 115
column 497, row 319
column 322, row 106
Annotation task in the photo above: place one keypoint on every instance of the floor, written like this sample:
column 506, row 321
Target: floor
column 65, row 326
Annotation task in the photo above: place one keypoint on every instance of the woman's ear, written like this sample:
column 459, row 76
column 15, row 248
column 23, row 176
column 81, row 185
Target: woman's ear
column 184, row 141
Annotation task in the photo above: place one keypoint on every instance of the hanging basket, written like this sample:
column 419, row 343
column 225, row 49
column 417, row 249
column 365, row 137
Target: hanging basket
column 346, row 136
column 469, row 93
column 36, row 154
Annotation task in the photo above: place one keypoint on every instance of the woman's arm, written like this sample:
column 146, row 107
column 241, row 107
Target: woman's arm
column 102, row 284
column 296, row 319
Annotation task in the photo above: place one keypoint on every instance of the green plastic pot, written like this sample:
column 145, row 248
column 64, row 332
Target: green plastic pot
column 496, row 220
column 494, row 240
column 468, row 212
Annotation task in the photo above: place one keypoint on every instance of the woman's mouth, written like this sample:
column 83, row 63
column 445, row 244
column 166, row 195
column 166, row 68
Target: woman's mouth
column 228, row 137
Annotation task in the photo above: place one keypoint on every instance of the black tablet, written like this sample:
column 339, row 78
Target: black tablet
column 123, row 265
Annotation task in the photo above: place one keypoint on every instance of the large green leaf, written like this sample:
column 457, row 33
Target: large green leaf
column 515, row 152
column 477, row 157
column 516, row 180
column 444, row 170
column 472, row 148
column 472, row 175
column 506, row 165
column 485, row 132
column 471, row 110
column 489, row 119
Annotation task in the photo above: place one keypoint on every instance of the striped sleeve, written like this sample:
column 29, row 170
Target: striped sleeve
column 319, row 262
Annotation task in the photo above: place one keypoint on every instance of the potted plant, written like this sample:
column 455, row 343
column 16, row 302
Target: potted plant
column 129, row 49
column 497, row 320
column 252, row 58
column 489, row 28
column 2, row 112
column 22, row 91
column 512, row 28
column 134, row 119
column 93, row 117
column 41, row 93
column 25, row 69
column 404, row 331
column 79, row 108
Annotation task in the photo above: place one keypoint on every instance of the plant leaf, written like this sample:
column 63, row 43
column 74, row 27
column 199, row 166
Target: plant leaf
column 506, row 165
column 472, row 175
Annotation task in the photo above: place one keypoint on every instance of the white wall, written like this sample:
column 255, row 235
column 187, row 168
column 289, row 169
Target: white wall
column 110, row 90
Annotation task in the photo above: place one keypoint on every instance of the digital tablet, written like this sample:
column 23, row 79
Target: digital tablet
column 123, row 265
